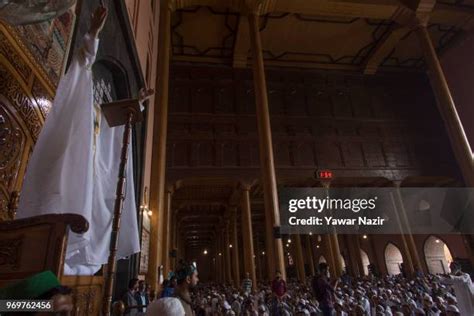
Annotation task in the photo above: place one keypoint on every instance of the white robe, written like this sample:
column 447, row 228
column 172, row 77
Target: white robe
column 464, row 290
column 74, row 169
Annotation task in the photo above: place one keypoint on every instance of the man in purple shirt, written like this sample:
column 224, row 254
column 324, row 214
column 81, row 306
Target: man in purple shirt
column 278, row 286
column 324, row 290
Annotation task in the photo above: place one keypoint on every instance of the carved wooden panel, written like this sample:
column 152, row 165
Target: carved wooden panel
column 318, row 120
column 87, row 294
column 10, row 252
column 24, row 103
column 14, row 145
column 46, row 235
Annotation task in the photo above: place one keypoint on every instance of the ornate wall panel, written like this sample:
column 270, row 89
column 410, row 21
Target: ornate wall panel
column 25, row 100
column 378, row 125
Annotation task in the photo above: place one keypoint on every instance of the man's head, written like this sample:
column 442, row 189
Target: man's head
column 141, row 286
column 41, row 286
column 247, row 275
column 455, row 267
column 173, row 281
column 278, row 275
column 133, row 285
column 186, row 275
column 323, row 269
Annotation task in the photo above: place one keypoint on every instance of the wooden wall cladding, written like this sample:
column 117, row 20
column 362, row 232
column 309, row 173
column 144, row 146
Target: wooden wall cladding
column 25, row 99
column 319, row 120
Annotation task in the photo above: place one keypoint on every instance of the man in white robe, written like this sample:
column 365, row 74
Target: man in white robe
column 74, row 166
column 463, row 288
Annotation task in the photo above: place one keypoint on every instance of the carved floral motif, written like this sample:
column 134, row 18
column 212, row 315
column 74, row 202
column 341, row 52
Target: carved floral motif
column 9, row 252
column 11, row 89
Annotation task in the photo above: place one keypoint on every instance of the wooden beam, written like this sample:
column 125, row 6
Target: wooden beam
column 373, row 9
column 242, row 44
column 405, row 17
column 383, row 48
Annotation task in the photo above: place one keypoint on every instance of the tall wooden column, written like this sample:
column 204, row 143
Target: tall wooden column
column 266, row 149
column 447, row 108
column 174, row 239
column 358, row 251
column 247, row 236
column 222, row 258
column 459, row 142
column 355, row 268
column 235, row 248
column 336, row 253
column 299, row 258
column 309, row 254
column 158, row 165
column 329, row 254
column 415, row 257
column 220, row 255
column 408, row 263
column 227, row 251
column 167, row 234
column 258, row 261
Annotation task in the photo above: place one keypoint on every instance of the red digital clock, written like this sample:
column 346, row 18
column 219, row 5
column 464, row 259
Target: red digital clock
column 324, row 174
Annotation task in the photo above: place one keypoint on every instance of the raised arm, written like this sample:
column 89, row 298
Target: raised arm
column 91, row 42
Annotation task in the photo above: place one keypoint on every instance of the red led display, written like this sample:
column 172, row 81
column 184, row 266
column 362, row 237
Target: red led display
column 324, row 174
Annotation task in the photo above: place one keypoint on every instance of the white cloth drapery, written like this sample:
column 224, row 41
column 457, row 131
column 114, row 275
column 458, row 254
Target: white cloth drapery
column 74, row 169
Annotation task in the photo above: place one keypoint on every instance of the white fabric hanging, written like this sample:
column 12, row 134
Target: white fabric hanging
column 74, row 169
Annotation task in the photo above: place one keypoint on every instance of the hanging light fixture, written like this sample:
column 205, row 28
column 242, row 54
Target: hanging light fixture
column 21, row 12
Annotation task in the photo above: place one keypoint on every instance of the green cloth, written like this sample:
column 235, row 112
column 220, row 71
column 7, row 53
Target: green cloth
column 30, row 288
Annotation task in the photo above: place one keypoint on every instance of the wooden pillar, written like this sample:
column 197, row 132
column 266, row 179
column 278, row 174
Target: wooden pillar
column 309, row 255
column 408, row 236
column 459, row 142
column 299, row 258
column 235, row 248
column 218, row 260
column 247, row 236
column 354, row 267
column 220, row 278
column 329, row 253
column 167, row 234
column 266, row 148
column 336, row 252
column 259, row 257
column 174, row 224
column 227, row 251
column 358, row 250
column 160, row 126
column 447, row 108
column 408, row 263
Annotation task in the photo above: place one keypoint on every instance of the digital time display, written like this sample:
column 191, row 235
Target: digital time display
column 324, row 174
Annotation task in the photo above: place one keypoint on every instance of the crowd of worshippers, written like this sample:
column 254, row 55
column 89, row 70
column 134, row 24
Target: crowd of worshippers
column 371, row 295
column 320, row 295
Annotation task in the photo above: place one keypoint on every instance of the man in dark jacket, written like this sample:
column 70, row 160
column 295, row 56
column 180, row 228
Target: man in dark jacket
column 324, row 290
column 141, row 296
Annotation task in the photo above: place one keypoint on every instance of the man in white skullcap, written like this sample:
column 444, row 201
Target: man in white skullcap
column 452, row 310
column 167, row 306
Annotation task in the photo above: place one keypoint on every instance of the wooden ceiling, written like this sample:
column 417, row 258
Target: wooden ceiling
column 332, row 34
column 356, row 35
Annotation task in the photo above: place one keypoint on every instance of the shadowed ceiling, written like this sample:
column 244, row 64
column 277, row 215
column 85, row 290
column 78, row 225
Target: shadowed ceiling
column 357, row 35
column 343, row 34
